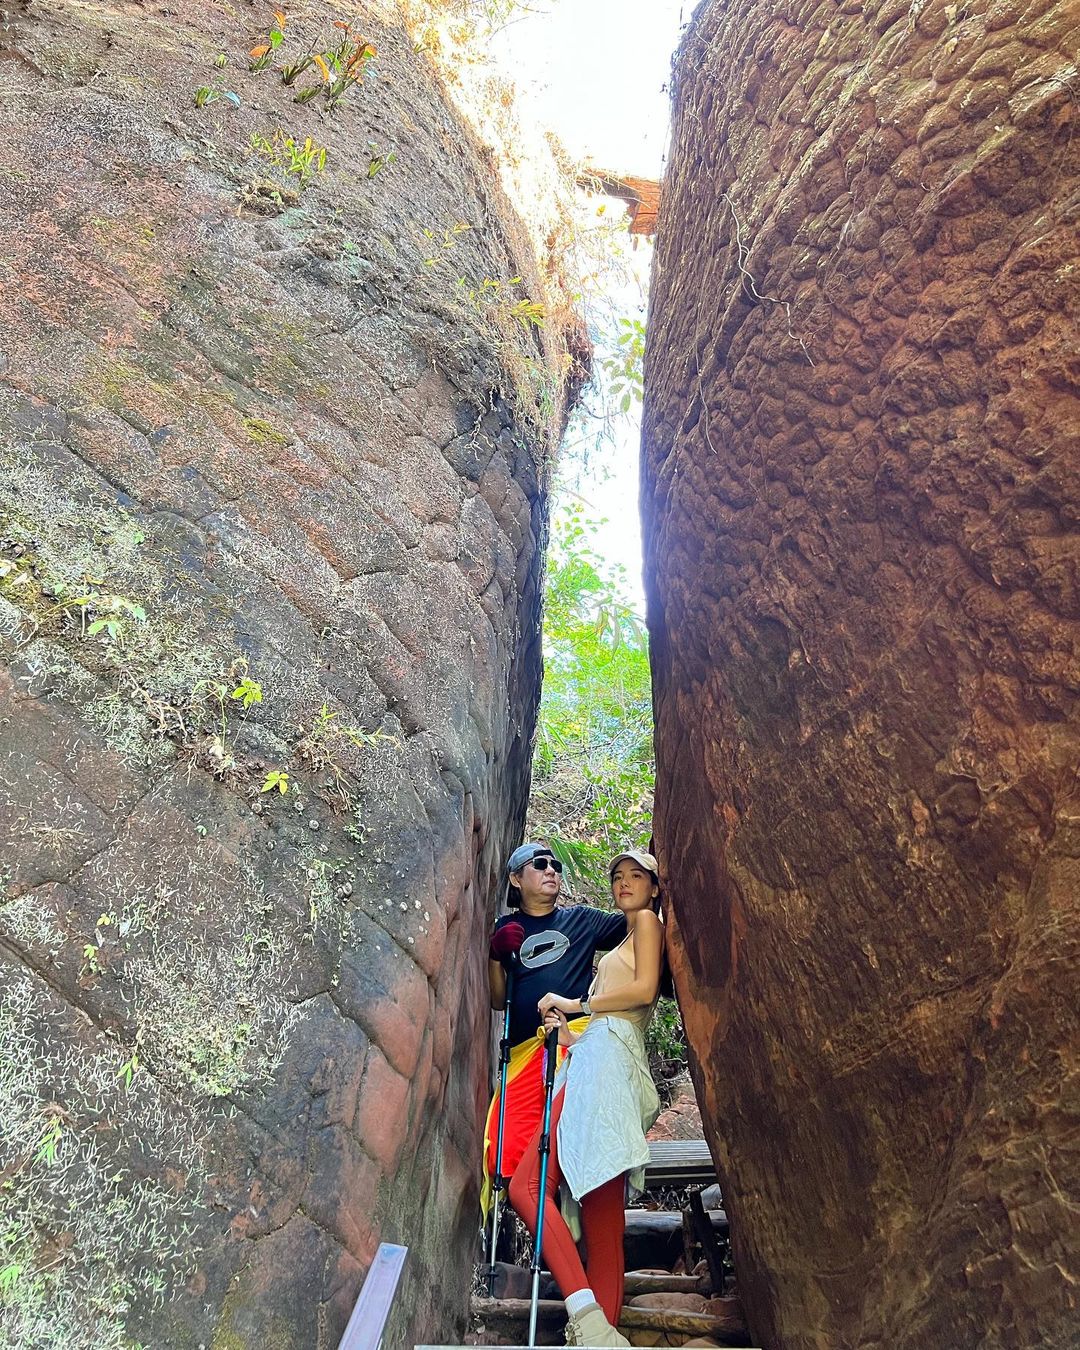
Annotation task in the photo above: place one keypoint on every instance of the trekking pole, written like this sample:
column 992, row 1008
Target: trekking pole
column 551, row 1046
column 499, row 1180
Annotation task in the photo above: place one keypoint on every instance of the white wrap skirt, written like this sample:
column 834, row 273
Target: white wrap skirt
column 610, row 1102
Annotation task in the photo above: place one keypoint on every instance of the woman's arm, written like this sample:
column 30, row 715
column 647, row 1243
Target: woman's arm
column 642, row 989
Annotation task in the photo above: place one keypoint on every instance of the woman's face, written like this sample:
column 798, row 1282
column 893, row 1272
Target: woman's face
column 632, row 888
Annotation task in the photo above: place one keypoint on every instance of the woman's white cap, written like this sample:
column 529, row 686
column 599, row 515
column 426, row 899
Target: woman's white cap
column 642, row 859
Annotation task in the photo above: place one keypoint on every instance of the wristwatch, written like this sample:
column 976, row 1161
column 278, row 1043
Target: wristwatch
column 586, row 1011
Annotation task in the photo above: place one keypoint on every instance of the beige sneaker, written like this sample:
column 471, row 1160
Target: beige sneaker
column 591, row 1328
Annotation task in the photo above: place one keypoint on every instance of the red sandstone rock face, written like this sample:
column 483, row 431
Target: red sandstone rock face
column 862, row 485
column 682, row 1119
column 243, row 1035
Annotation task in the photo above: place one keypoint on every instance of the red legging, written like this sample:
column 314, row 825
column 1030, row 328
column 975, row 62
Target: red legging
column 602, row 1218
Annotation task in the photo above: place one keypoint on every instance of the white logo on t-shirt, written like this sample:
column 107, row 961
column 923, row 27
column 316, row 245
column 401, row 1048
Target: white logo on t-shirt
column 541, row 949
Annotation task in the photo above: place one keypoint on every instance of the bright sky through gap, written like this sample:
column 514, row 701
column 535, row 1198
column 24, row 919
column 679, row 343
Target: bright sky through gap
column 596, row 73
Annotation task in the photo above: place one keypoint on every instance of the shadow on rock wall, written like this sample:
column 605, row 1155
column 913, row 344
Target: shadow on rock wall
column 863, row 495
column 273, row 514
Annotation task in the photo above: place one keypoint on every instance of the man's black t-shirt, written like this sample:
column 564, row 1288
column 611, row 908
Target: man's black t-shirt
column 556, row 957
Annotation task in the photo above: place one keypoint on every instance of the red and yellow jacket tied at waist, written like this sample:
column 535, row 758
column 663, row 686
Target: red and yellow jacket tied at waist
column 524, row 1108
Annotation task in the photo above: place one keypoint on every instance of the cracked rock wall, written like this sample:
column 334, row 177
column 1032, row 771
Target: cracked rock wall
column 272, row 493
column 862, row 498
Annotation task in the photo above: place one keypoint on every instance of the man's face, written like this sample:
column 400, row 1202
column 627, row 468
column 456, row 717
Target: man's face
column 538, row 883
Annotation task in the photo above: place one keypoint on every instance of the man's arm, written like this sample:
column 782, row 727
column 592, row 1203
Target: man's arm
column 497, row 984
column 505, row 944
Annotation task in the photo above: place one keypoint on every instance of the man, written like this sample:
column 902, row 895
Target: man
column 550, row 948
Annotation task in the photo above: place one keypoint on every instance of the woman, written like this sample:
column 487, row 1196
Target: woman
column 604, row 1102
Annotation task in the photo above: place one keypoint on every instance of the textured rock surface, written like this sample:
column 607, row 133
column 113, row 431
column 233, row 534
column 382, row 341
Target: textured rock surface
column 682, row 1119
column 863, row 494
column 259, row 426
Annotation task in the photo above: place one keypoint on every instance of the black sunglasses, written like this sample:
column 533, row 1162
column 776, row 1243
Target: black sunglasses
column 542, row 864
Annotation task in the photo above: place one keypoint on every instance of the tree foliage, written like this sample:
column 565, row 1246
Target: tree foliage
column 593, row 771
column 623, row 365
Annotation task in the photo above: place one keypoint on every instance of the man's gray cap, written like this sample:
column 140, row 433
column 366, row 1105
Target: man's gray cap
column 525, row 853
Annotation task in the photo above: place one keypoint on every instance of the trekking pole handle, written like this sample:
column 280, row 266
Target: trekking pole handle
column 551, row 1051
column 551, row 1046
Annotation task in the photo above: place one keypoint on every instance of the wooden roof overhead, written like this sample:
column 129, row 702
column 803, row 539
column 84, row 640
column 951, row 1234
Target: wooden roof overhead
column 641, row 195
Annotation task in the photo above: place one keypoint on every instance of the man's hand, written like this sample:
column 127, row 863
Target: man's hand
column 570, row 1006
column 506, row 942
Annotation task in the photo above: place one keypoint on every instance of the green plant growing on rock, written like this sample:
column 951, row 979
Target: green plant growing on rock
column 528, row 313
column 329, row 891
column 340, row 67
column 48, row 1143
column 303, row 161
column 215, row 692
column 208, row 93
column 321, row 746
column 129, row 1068
column 262, row 54
column 445, row 243
column 247, row 692
column 263, row 432
column 276, row 779
column 349, row 61
column 489, row 298
column 66, row 1177
column 108, row 614
column 377, row 160
column 9, row 1277
column 292, row 72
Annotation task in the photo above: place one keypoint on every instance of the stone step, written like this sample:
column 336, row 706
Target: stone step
column 513, row 1314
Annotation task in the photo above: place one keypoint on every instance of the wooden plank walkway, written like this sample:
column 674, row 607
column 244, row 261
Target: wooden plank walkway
column 679, row 1162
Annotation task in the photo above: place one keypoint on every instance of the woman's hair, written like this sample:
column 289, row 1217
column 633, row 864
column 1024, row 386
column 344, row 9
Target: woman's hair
column 667, row 984
column 656, row 904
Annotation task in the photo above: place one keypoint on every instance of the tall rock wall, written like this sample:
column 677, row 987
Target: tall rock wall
column 862, row 498
column 271, row 473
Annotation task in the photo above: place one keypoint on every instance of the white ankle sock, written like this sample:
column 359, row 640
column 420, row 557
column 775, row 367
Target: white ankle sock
column 579, row 1301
